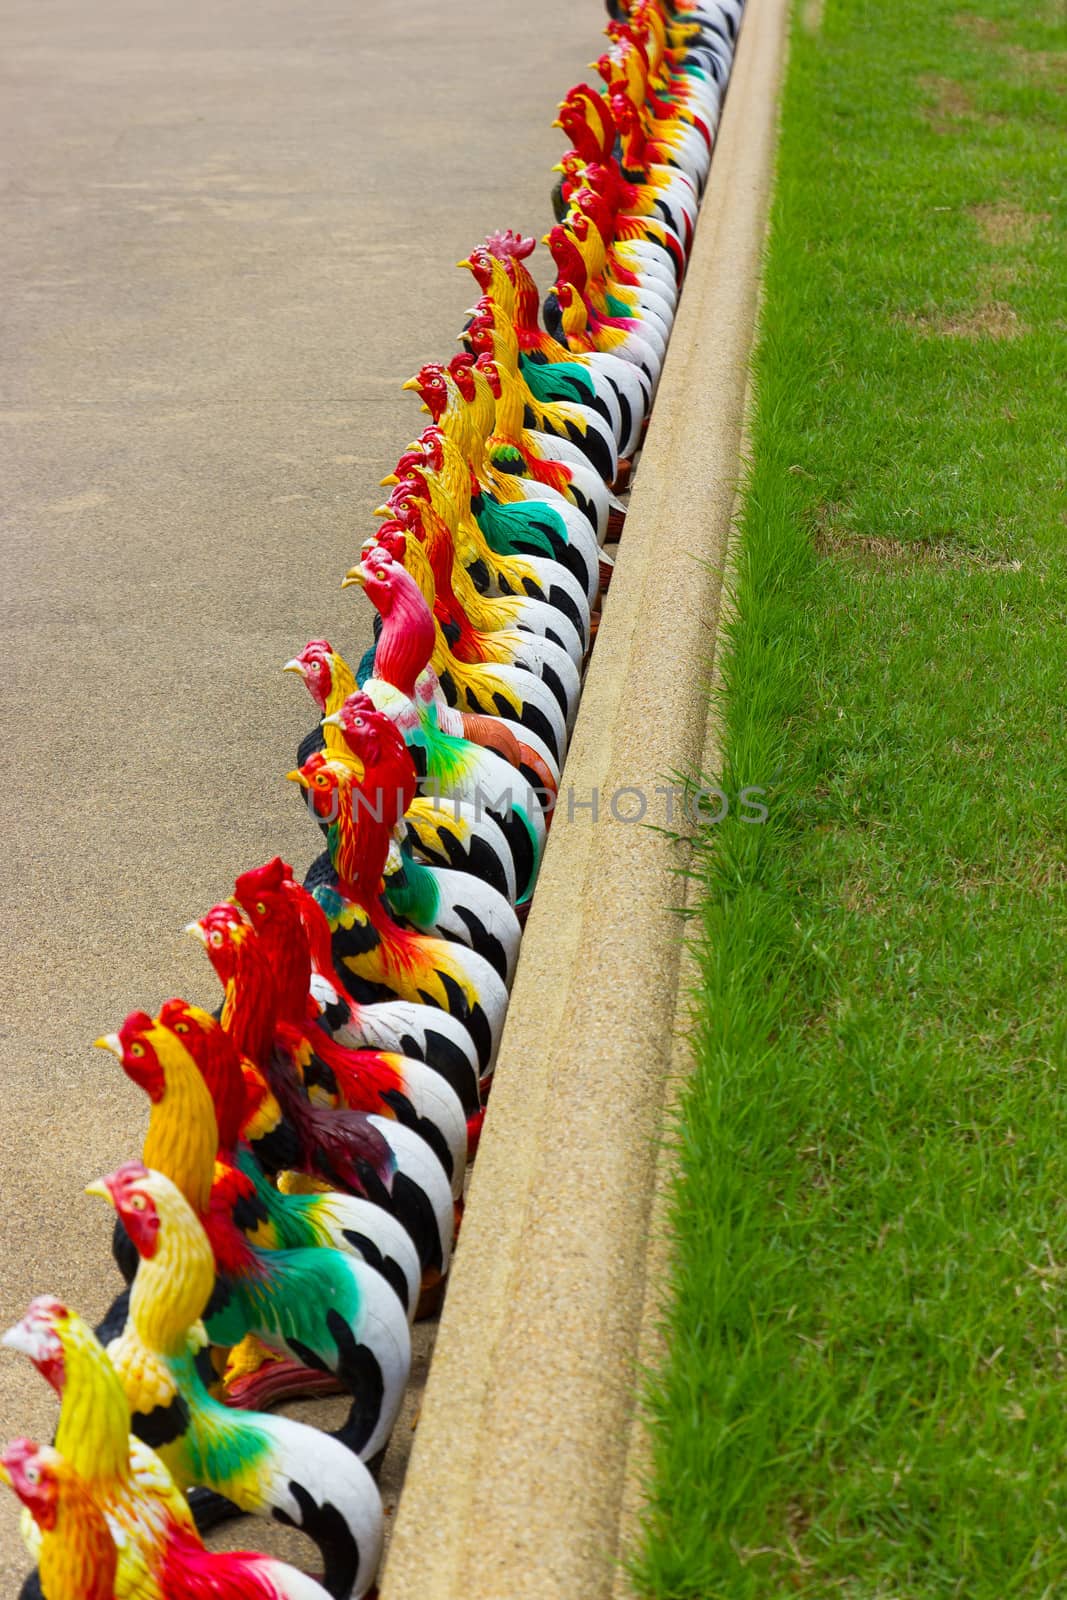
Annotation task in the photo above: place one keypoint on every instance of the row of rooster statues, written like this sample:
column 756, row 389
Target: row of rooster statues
column 296, row 1201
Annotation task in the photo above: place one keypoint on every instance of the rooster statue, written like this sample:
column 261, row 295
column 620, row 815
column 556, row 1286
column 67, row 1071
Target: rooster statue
column 367, row 941
column 294, row 936
column 414, row 1184
column 446, row 833
column 268, row 1466
column 80, row 1558
column 145, row 1510
column 451, row 766
column 327, row 1310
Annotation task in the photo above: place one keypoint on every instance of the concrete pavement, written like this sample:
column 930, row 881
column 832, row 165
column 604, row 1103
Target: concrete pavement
column 229, row 235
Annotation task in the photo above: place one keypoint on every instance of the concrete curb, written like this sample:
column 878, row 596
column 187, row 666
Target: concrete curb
column 518, row 1475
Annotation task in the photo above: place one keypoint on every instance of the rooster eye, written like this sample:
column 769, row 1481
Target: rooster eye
column 137, row 1051
column 315, row 666
column 137, row 1202
column 216, row 938
column 359, row 722
column 261, row 910
column 181, row 1027
column 381, row 574
column 321, row 780
column 33, row 1475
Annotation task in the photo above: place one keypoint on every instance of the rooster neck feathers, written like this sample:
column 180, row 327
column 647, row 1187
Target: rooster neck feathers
column 171, row 1288
column 248, row 1013
column 183, row 1135
column 407, row 638
column 94, row 1423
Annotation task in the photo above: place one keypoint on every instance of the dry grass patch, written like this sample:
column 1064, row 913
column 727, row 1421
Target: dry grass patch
column 952, row 103
column 993, row 319
column 1004, row 223
column 1040, row 64
column 983, row 28
column 906, row 553
column 811, row 15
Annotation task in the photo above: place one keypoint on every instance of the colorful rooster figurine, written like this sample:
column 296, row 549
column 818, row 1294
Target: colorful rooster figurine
column 128, row 1483
column 269, row 1466
column 445, row 833
column 295, row 938
column 327, row 1310
column 451, row 766
column 80, row 1560
column 368, row 942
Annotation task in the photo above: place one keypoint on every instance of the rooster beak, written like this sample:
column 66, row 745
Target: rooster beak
column 296, row 776
column 294, row 666
column 109, row 1041
column 412, row 383
column 195, row 931
column 382, row 511
column 356, row 575
column 18, row 1338
column 558, row 123
column 387, row 483
column 559, row 164
column 99, row 1190
column 464, row 264
column 5, row 1477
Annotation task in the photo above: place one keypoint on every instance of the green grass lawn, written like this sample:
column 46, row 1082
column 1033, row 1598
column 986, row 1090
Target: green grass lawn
column 866, row 1392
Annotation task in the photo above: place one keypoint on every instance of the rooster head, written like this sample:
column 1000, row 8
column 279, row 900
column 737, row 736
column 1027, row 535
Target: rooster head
column 131, row 1189
column 135, row 1051
column 405, row 516
column 35, row 1473
column 429, row 382
column 427, row 448
column 587, row 122
column 221, row 931
column 392, row 537
column 381, row 576
column 37, row 1336
column 314, row 664
column 480, row 264
column 322, row 780
column 375, row 741
column 270, row 878
column 460, row 367
column 490, row 371
column 481, row 337
column 410, row 486
column 578, row 223
column 566, row 255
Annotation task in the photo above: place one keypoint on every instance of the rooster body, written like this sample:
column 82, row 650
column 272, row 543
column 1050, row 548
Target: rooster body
column 269, row 1466
column 414, row 1183
column 446, row 834
column 329, row 1311
column 144, row 1510
column 454, row 767
column 80, row 1560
